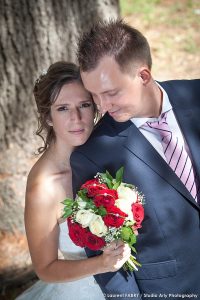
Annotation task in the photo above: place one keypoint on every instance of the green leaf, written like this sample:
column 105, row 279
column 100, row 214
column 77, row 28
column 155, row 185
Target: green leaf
column 67, row 201
column 129, row 223
column 109, row 183
column 133, row 249
column 90, row 205
column 64, row 216
column 107, row 180
column 125, row 233
column 67, row 213
column 66, row 208
column 128, row 235
column 82, row 194
column 102, row 211
column 128, row 185
column 133, row 239
column 109, row 176
column 116, row 185
column 119, row 174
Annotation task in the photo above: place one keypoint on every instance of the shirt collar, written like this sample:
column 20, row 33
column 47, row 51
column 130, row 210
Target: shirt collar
column 166, row 106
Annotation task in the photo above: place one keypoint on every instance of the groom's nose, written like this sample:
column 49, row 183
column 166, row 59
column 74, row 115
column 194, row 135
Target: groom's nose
column 103, row 104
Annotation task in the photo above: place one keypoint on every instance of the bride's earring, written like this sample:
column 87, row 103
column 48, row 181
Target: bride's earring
column 49, row 122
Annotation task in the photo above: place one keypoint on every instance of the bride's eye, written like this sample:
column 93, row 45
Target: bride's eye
column 62, row 108
column 86, row 104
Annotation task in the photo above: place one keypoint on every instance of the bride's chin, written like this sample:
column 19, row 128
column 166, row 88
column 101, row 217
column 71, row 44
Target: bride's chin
column 80, row 142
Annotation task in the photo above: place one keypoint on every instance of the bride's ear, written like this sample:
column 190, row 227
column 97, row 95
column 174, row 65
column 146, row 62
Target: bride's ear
column 49, row 122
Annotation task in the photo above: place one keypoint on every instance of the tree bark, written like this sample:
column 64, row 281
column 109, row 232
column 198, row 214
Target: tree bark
column 34, row 34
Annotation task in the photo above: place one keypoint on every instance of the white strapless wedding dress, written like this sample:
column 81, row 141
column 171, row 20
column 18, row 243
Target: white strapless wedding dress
column 83, row 289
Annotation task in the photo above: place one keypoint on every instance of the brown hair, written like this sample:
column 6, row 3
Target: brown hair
column 113, row 38
column 46, row 90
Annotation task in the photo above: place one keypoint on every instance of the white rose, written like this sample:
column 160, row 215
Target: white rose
column 81, row 202
column 84, row 217
column 97, row 226
column 125, row 206
column 125, row 192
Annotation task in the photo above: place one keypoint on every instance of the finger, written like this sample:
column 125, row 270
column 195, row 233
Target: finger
column 118, row 243
column 113, row 245
column 108, row 248
column 122, row 251
column 118, row 251
column 127, row 249
column 121, row 259
column 121, row 248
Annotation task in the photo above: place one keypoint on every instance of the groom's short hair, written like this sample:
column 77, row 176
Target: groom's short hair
column 113, row 38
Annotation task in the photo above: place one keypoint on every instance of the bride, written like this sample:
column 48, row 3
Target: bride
column 66, row 119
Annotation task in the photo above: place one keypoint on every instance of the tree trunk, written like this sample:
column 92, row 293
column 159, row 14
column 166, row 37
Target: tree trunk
column 34, row 34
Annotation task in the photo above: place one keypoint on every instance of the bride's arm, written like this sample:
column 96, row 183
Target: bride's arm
column 43, row 233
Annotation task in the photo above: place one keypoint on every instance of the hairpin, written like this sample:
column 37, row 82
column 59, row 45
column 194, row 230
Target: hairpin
column 42, row 74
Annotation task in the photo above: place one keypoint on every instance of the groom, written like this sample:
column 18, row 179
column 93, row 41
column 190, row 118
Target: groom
column 153, row 130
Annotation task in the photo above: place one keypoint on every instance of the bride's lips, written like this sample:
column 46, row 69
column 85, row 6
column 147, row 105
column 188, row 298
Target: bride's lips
column 77, row 131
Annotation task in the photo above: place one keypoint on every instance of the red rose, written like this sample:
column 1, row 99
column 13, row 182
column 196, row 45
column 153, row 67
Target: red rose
column 138, row 214
column 105, row 198
column 76, row 233
column 88, row 183
column 113, row 220
column 116, row 210
column 93, row 187
column 94, row 242
column 115, row 217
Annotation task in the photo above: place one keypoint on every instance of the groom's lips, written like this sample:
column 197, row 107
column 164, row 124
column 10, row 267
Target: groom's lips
column 113, row 113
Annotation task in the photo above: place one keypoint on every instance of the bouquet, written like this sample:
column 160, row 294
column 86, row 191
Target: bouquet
column 105, row 209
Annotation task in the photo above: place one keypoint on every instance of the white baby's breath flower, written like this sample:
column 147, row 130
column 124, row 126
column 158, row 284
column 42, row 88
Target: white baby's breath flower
column 97, row 226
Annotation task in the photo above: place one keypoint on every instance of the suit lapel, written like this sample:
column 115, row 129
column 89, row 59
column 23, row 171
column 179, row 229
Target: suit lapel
column 191, row 132
column 187, row 115
column 143, row 150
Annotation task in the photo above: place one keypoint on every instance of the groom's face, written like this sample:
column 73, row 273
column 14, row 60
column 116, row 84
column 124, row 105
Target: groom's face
column 116, row 92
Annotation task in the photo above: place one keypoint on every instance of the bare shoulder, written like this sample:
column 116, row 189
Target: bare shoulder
column 46, row 188
column 39, row 179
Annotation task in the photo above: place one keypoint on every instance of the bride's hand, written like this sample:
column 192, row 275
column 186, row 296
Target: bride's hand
column 115, row 255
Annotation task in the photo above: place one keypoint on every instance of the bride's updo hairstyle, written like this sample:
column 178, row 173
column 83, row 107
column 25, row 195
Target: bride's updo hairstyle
column 46, row 90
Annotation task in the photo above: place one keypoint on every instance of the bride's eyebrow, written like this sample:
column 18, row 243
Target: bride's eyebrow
column 86, row 100
column 62, row 104
column 68, row 104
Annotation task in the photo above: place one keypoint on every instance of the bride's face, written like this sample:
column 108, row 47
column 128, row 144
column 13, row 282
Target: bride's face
column 72, row 114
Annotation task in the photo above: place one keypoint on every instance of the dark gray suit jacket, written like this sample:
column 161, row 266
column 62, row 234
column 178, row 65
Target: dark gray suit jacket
column 168, row 244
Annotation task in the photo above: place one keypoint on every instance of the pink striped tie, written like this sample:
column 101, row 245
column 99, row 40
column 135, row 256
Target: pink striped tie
column 176, row 156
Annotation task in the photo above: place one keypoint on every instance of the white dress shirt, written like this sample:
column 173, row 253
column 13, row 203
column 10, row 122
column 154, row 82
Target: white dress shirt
column 152, row 135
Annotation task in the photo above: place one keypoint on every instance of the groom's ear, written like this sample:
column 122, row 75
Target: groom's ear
column 145, row 75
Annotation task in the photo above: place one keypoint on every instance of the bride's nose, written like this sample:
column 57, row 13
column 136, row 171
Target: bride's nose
column 75, row 114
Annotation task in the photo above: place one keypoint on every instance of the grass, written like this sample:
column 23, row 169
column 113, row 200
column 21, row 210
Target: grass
column 172, row 28
column 128, row 7
column 163, row 11
column 189, row 45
